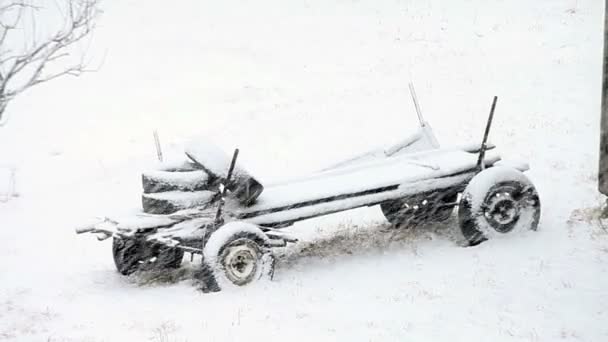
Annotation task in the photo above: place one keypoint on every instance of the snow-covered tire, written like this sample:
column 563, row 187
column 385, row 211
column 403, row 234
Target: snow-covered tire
column 235, row 255
column 162, row 181
column 163, row 203
column 409, row 212
column 158, row 206
column 131, row 255
column 497, row 201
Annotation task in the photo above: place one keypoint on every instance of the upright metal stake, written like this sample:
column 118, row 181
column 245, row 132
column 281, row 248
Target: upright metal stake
column 415, row 99
column 218, row 215
column 603, row 166
column 159, row 151
column 482, row 150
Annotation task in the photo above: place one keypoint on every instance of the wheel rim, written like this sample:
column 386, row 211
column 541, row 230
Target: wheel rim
column 502, row 209
column 240, row 262
column 496, row 201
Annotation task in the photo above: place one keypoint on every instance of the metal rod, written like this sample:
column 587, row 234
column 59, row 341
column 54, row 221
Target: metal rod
column 416, row 105
column 482, row 151
column 190, row 250
column 232, row 164
column 84, row 230
column 218, row 214
column 159, row 151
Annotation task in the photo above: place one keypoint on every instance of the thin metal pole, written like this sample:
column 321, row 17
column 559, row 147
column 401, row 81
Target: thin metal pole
column 415, row 99
column 159, row 151
column 218, row 214
column 482, row 150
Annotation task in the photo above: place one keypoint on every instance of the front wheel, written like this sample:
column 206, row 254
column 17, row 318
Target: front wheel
column 497, row 201
column 236, row 254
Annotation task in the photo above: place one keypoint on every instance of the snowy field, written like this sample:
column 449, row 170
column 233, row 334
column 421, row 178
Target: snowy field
column 298, row 85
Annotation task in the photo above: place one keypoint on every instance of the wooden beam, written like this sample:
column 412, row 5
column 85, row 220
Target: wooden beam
column 603, row 165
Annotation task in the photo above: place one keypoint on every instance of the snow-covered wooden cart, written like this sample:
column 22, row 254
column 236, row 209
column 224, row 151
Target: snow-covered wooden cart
column 209, row 205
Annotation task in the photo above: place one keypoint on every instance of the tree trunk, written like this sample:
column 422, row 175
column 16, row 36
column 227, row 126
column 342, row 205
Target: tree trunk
column 603, row 169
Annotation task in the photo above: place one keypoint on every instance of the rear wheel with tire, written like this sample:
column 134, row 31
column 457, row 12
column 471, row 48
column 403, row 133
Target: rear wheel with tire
column 131, row 255
column 497, row 201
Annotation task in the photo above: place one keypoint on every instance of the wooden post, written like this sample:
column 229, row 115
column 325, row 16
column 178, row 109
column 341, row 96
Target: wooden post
column 603, row 166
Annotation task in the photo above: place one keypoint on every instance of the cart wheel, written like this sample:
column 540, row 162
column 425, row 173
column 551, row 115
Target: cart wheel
column 412, row 211
column 235, row 255
column 131, row 255
column 497, row 201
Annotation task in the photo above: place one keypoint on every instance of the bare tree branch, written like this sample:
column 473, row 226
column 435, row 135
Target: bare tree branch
column 25, row 68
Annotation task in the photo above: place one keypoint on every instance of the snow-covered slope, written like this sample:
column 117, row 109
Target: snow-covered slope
column 297, row 86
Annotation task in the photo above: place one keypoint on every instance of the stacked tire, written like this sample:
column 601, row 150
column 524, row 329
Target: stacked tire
column 176, row 186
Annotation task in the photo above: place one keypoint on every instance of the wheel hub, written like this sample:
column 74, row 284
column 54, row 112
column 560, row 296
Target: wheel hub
column 502, row 212
column 240, row 263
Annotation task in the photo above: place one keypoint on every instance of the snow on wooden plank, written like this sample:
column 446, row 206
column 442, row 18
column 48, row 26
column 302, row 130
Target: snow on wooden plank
column 212, row 159
column 193, row 229
column 142, row 222
column 422, row 140
column 216, row 163
column 295, row 214
column 363, row 177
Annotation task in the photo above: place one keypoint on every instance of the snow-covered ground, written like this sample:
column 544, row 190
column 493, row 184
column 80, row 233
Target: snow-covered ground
column 298, row 85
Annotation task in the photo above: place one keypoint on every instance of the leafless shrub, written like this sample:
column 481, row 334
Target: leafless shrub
column 26, row 61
